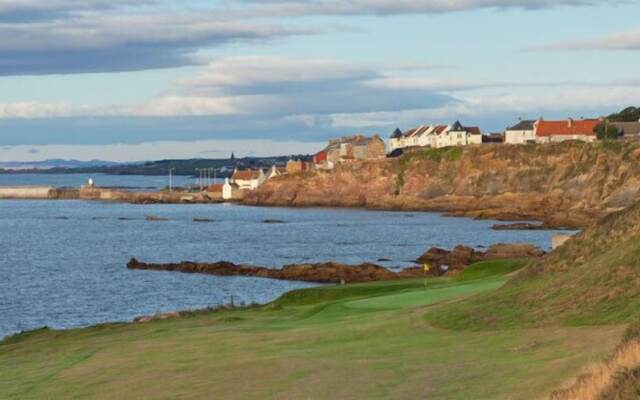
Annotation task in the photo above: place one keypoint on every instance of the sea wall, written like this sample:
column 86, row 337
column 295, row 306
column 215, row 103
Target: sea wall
column 565, row 184
column 26, row 192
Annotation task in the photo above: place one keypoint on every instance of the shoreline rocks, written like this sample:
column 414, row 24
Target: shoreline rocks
column 441, row 261
column 520, row 226
column 461, row 256
column 329, row 272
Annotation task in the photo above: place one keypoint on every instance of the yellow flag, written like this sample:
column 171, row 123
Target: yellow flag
column 427, row 267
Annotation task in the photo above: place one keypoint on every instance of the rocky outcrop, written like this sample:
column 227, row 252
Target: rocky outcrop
column 519, row 226
column 565, row 185
column 462, row 256
column 320, row 273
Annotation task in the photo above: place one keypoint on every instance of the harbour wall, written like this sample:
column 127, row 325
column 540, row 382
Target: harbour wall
column 27, row 192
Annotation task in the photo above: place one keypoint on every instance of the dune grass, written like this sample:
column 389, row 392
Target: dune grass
column 368, row 341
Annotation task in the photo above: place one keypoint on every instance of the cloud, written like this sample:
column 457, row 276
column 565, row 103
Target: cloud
column 29, row 10
column 627, row 40
column 495, row 109
column 294, row 8
column 257, row 86
column 130, row 42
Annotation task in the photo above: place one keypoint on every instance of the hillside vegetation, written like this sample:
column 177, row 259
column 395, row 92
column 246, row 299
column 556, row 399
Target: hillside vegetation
column 594, row 279
column 565, row 184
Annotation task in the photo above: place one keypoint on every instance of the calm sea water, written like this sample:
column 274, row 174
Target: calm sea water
column 131, row 182
column 63, row 263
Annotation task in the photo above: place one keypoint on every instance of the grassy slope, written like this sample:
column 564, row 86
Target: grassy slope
column 593, row 279
column 355, row 341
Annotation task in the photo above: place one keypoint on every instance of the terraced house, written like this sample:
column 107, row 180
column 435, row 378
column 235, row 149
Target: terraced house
column 435, row 136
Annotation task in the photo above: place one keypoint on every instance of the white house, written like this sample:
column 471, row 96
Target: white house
column 228, row 189
column 521, row 133
column 396, row 141
column 248, row 179
column 458, row 135
column 436, row 136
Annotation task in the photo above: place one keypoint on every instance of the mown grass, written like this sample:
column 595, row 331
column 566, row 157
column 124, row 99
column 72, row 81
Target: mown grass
column 355, row 341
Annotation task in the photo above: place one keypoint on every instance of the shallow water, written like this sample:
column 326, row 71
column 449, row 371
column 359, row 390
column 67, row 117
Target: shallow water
column 63, row 263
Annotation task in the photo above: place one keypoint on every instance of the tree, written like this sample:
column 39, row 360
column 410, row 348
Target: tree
column 607, row 130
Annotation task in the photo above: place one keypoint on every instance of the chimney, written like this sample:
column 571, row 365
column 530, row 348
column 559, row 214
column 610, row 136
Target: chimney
column 570, row 122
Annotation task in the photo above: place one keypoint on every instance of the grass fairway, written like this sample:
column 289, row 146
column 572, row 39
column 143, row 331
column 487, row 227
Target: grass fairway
column 366, row 341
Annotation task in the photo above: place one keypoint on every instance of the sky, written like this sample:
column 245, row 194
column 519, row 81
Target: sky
column 126, row 80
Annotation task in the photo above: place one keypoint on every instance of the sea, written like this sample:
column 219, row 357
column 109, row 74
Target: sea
column 63, row 262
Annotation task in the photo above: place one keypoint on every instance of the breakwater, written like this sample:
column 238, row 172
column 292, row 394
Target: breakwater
column 26, row 192
column 104, row 194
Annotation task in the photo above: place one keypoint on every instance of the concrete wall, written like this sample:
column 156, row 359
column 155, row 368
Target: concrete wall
column 26, row 192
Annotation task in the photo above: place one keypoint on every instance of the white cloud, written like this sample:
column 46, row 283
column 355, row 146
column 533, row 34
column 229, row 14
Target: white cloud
column 168, row 106
column 575, row 101
column 111, row 42
column 263, row 70
column 394, row 7
column 627, row 40
column 260, row 85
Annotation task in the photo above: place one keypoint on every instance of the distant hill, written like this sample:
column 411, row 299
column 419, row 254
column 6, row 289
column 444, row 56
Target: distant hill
column 629, row 114
column 55, row 163
column 190, row 167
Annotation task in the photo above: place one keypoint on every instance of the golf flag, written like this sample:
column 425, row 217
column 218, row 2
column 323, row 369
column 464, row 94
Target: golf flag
column 426, row 267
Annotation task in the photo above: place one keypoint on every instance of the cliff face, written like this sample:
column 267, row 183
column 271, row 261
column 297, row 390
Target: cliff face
column 565, row 184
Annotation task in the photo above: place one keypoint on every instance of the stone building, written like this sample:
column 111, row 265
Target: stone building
column 353, row 148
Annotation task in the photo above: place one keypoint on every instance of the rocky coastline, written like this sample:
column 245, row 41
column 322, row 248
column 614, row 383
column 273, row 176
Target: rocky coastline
column 329, row 272
column 440, row 262
column 567, row 185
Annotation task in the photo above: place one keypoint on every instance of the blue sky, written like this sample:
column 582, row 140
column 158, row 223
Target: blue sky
column 136, row 80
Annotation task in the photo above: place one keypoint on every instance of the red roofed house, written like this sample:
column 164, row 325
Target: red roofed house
column 320, row 159
column 248, row 179
column 559, row 131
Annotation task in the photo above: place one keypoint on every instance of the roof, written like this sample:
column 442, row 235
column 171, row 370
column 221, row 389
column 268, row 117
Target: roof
column 397, row 134
column 524, row 125
column 474, row 130
column 217, row 187
column 440, row 129
column 246, row 175
column 567, row 127
column 421, row 130
column 410, row 132
column 457, row 127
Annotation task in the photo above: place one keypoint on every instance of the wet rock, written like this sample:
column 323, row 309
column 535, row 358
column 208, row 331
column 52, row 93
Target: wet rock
column 519, row 226
column 203, row 220
column 329, row 272
column 273, row 221
column 154, row 218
